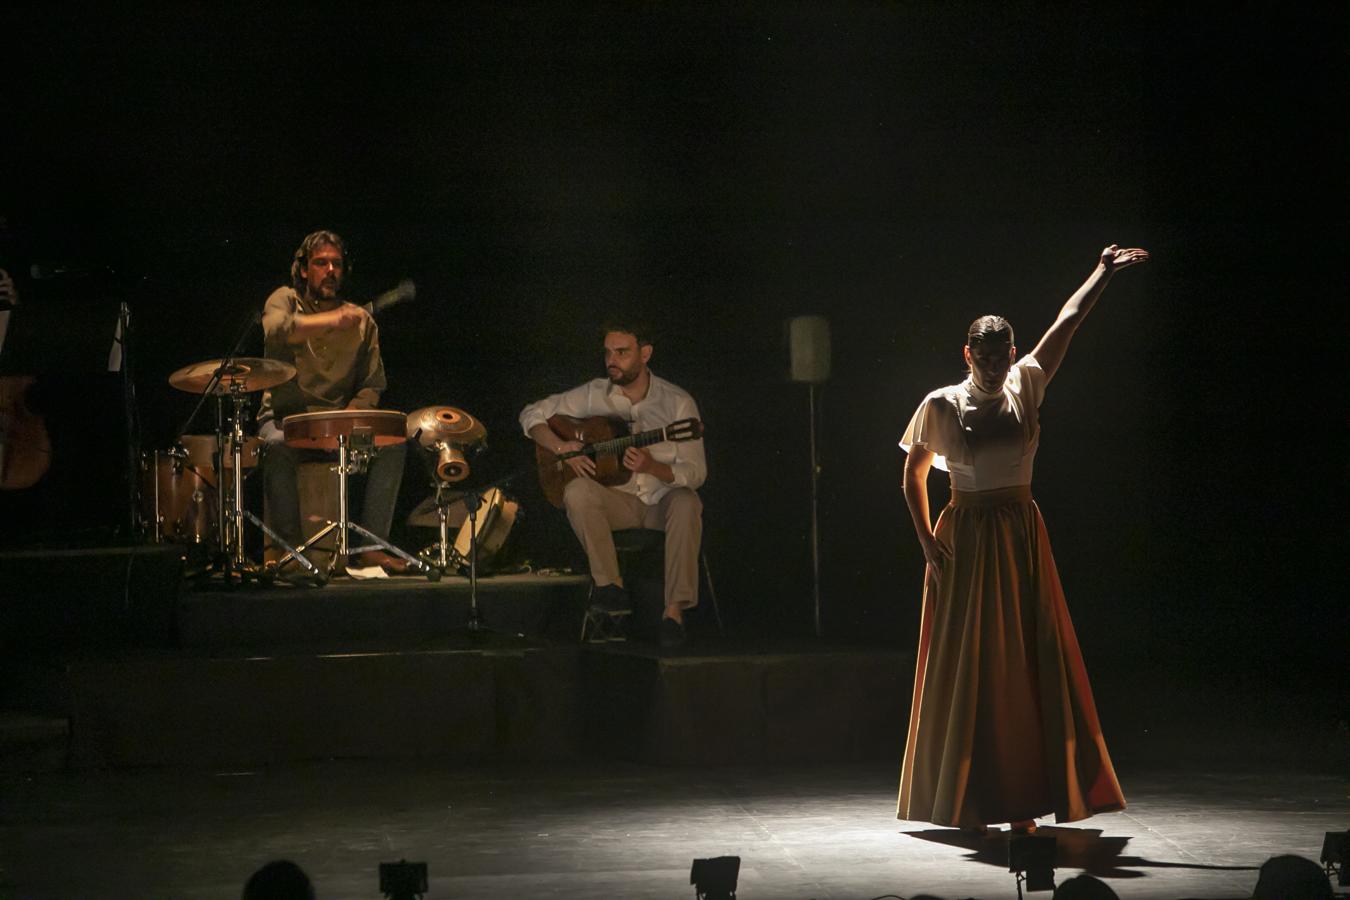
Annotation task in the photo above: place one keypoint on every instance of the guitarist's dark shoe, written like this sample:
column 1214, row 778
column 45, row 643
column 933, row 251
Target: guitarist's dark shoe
column 611, row 600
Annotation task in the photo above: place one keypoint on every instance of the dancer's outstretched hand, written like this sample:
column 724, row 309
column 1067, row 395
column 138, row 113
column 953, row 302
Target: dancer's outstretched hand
column 1116, row 259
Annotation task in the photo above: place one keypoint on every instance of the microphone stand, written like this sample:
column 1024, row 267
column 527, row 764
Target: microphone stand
column 131, row 418
column 473, row 501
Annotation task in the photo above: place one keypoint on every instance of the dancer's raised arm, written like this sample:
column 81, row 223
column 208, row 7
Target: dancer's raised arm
column 1054, row 343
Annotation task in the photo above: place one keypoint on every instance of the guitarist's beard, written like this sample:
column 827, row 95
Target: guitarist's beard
column 622, row 377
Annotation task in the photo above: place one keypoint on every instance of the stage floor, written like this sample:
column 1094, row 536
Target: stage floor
column 623, row 831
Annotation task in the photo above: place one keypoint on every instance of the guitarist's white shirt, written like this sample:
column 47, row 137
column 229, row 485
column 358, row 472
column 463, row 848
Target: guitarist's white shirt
column 664, row 403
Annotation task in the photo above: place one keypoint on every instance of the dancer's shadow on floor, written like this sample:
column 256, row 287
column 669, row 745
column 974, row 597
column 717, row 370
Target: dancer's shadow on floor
column 1075, row 848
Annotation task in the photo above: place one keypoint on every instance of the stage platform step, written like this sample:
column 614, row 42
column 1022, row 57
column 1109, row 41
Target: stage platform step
column 151, row 670
column 486, row 699
column 393, row 609
column 729, row 702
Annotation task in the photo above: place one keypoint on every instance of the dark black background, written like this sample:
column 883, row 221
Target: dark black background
column 899, row 168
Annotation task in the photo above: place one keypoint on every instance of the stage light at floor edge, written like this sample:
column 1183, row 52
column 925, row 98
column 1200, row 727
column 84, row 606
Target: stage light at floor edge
column 1031, row 859
column 1335, row 852
column 403, row 880
column 715, row 878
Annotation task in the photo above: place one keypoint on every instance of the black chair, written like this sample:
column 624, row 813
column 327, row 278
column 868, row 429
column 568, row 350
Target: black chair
column 644, row 550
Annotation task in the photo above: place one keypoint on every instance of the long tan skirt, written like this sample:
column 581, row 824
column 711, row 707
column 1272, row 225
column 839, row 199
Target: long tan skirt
column 1003, row 726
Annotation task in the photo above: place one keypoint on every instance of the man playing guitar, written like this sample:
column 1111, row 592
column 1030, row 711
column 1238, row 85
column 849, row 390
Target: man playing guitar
column 662, row 492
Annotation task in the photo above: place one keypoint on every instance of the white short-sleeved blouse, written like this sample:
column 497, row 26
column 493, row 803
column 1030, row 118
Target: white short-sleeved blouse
column 985, row 441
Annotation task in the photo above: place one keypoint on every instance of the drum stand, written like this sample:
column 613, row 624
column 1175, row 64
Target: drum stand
column 231, row 521
column 441, row 553
column 354, row 455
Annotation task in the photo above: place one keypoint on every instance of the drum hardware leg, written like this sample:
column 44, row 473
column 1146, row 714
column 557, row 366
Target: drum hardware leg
column 439, row 553
column 443, row 528
column 292, row 553
column 240, row 562
column 297, row 555
column 237, row 491
column 344, row 470
column 353, row 457
column 218, row 462
column 159, row 519
column 231, row 557
column 432, row 573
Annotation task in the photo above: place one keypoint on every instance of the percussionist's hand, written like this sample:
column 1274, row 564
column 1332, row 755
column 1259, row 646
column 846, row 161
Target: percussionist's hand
column 9, row 294
column 347, row 316
column 581, row 464
column 637, row 459
column 1116, row 259
column 936, row 551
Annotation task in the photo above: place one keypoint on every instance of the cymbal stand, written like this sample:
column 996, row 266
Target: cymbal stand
column 235, row 536
column 354, row 455
column 218, row 465
column 232, row 518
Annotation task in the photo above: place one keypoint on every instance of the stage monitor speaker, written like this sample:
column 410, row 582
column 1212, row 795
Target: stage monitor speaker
column 809, row 348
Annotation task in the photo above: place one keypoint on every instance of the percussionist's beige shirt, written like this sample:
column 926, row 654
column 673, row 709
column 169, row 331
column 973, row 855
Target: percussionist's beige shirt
column 339, row 369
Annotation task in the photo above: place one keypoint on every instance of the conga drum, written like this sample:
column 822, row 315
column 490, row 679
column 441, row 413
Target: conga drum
column 317, row 487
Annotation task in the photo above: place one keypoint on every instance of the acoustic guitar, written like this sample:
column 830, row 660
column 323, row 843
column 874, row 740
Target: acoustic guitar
column 605, row 441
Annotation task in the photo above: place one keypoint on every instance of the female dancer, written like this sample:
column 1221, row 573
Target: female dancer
column 1003, row 727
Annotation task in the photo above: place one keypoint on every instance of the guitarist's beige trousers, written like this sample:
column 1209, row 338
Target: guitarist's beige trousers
column 596, row 511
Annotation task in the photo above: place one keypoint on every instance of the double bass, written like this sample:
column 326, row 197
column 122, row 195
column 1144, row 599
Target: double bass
column 25, row 446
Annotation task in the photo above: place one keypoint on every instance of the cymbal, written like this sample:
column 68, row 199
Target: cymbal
column 249, row 372
column 444, row 423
